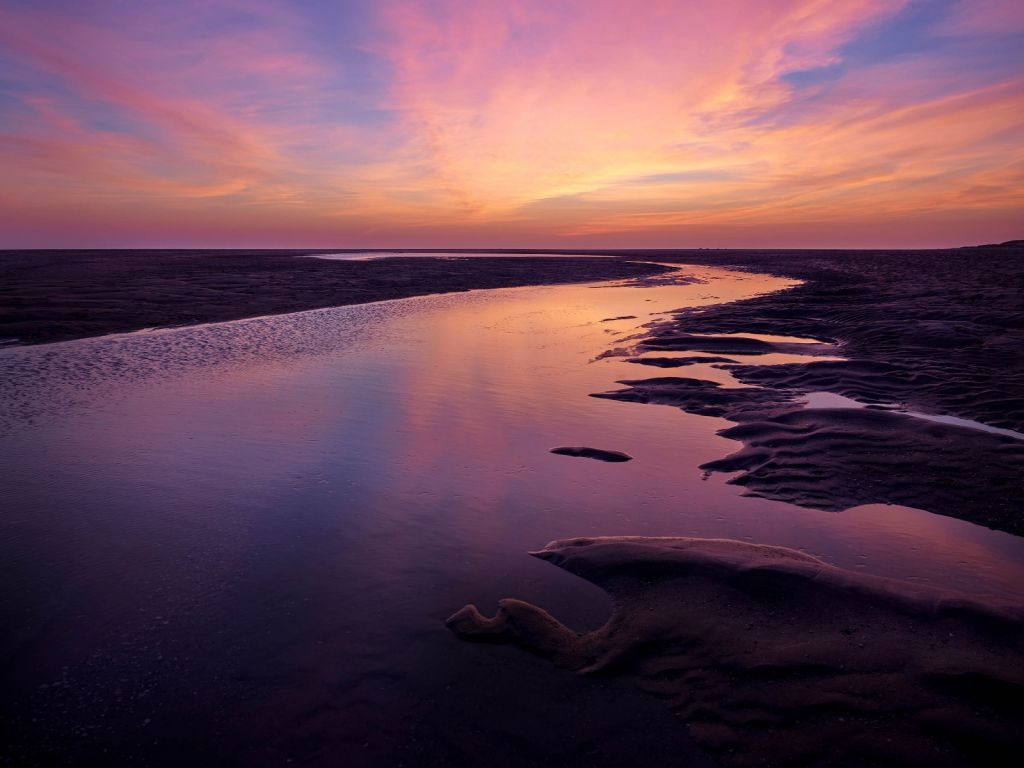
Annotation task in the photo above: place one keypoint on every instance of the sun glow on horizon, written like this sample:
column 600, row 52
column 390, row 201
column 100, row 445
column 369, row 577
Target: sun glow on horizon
column 566, row 123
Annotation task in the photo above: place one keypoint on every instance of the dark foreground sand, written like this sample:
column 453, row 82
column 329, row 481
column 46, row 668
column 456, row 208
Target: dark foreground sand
column 934, row 331
column 58, row 295
column 772, row 657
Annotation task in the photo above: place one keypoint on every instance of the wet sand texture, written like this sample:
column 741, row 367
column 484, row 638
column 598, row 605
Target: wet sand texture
column 592, row 453
column 936, row 331
column 834, row 459
column 678, row 362
column 57, row 295
column 705, row 398
column 772, row 657
column 941, row 330
column 733, row 345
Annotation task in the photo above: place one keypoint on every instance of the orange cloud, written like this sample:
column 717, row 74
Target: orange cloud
column 577, row 113
column 563, row 122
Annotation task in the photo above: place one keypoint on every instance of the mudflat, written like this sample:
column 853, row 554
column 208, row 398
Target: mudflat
column 769, row 655
column 939, row 333
column 58, row 295
column 941, row 330
column 773, row 657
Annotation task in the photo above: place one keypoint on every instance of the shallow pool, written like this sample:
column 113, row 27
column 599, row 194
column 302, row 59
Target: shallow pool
column 243, row 538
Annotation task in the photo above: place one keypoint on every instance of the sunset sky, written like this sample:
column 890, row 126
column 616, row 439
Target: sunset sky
column 468, row 123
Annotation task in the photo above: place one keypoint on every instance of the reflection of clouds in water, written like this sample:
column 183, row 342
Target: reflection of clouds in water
column 312, row 494
column 373, row 255
column 41, row 380
column 432, row 418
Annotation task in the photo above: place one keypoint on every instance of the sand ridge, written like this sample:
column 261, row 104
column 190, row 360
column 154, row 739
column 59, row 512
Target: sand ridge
column 773, row 657
column 941, row 332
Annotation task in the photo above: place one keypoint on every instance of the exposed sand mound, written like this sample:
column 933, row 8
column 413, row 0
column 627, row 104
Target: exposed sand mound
column 950, row 323
column 677, row 362
column 834, row 459
column 733, row 344
column 592, row 453
column 869, row 381
column 706, row 398
column 772, row 657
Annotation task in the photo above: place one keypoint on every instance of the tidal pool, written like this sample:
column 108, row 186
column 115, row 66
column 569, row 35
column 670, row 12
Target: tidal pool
column 242, row 539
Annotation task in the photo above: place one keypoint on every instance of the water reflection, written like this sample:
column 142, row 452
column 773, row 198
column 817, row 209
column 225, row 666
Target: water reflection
column 280, row 512
column 369, row 255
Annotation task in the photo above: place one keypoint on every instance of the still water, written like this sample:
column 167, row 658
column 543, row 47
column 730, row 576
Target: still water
column 370, row 255
column 241, row 539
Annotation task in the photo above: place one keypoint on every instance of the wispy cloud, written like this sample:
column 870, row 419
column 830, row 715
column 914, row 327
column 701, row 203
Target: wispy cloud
column 513, row 123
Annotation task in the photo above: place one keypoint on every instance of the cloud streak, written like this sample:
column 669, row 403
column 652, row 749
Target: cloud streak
column 570, row 123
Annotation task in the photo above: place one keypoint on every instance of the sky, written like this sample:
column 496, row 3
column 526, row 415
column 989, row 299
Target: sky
column 513, row 123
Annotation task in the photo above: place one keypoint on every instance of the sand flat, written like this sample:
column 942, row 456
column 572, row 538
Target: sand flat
column 771, row 656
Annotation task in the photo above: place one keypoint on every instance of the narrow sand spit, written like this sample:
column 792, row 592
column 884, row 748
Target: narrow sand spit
column 678, row 362
column 733, row 345
column 773, row 657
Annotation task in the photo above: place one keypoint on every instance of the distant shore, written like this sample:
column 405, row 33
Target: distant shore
column 51, row 296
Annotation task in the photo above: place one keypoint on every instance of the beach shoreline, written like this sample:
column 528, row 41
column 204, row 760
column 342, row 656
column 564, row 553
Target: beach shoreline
column 50, row 296
column 278, row 417
column 938, row 332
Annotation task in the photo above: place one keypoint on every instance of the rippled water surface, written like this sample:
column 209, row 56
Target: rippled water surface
column 246, row 536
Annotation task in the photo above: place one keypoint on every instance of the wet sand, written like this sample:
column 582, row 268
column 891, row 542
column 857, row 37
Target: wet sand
column 940, row 332
column 240, row 540
column 772, row 657
column 769, row 655
column 58, row 295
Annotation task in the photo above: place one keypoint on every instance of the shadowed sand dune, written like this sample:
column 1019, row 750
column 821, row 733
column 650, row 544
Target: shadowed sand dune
column 772, row 657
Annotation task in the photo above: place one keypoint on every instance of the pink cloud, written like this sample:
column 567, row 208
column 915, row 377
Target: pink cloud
column 505, row 123
column 517, row 102
column 193, row 130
